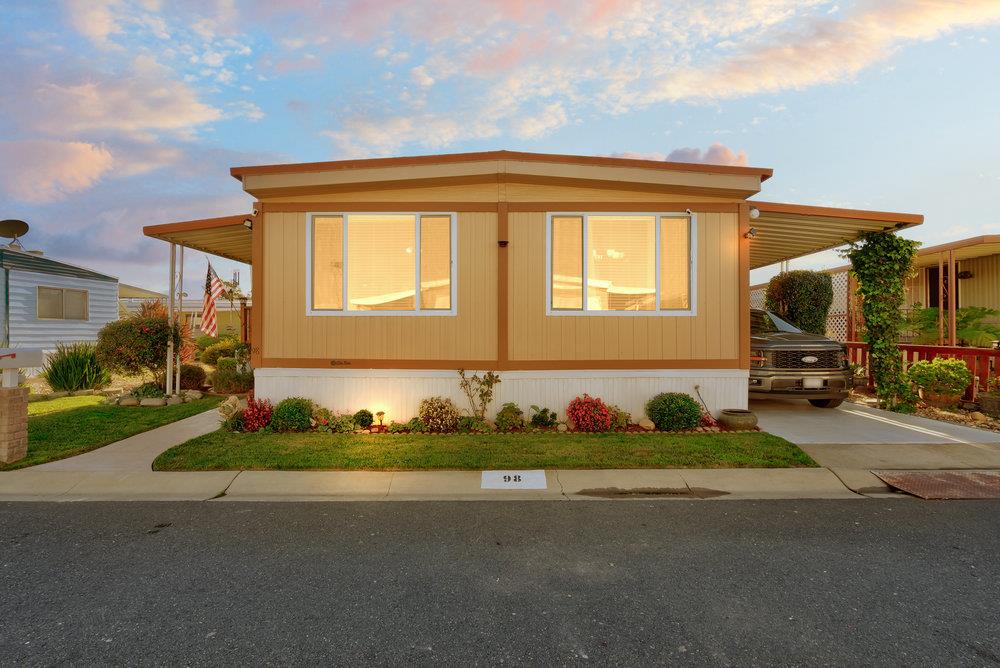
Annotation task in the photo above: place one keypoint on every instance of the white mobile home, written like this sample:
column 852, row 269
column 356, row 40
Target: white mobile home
column 44, row 302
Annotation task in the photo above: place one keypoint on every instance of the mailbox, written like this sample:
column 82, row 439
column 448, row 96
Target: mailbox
column 12, row 359
column 21, row 358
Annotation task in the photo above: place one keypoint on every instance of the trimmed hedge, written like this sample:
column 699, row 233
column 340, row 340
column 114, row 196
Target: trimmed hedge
column 673, row 411
column 292, row 414
column 801, row 297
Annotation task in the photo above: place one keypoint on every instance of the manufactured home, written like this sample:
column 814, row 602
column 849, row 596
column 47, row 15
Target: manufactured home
column 45, row 302
column 374, row 281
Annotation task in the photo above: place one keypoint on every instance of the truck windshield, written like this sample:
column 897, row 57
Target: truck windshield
column 765, row 322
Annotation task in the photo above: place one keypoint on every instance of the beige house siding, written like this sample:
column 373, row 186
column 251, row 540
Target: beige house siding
column 290, row 334
column 712, row 334
column 983, row 289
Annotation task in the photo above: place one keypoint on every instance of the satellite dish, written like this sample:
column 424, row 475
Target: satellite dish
column 12, row 229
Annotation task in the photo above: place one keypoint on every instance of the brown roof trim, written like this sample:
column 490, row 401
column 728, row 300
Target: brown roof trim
column 189, row 225
column 961, row 243
column 239, row 172
column 832, row 212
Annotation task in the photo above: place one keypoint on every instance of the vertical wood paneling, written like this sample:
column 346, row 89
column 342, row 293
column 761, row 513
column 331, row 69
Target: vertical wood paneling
column 711, row 334
column 290, row 333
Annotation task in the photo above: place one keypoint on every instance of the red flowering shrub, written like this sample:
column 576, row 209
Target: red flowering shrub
column 257, row 414
column 589, row 414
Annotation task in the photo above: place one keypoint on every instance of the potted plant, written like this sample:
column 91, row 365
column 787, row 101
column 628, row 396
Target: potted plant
column 989, row 401
column 941, row 381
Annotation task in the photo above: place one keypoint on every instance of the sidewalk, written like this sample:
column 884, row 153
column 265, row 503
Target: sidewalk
column 122, row 471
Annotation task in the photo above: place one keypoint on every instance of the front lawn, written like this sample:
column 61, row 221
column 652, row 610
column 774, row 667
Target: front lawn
column 60, row 428
column 222, row 450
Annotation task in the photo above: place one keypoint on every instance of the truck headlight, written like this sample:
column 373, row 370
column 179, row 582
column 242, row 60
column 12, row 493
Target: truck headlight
column 758, row 359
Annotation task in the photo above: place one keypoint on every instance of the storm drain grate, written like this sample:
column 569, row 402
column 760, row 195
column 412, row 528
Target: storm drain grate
column 945, row 484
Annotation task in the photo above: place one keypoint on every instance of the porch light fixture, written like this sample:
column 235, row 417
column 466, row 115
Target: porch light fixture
column 754, row 212
column 248, row 223
column 751, row 233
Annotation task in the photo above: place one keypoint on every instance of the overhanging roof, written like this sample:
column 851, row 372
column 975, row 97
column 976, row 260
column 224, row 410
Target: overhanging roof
column 522, row 156
column 500, row 167
column 227, row 237
column 788, row 231
column 964, row 249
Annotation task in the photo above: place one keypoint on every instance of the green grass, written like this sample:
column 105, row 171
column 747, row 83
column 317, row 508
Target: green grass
column 60, row 428
column 66, row 403
column 221, row 450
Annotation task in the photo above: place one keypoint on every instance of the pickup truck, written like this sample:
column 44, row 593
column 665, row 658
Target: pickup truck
column 787, row 363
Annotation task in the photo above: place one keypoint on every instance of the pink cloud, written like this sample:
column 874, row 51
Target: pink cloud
column 40, row 171
column 716, row 154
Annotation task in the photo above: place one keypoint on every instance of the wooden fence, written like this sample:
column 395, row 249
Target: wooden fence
column 984, row 363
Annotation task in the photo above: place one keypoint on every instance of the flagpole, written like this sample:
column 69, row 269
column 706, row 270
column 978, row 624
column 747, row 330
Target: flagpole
column 170, row 318
column 180, row 309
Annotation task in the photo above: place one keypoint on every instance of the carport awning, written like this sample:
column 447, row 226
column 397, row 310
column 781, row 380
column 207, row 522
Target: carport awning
column 228, row 236
column 966, row 249
column 788, row 231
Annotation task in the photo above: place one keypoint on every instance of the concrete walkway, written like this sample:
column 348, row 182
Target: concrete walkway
column 122, row 470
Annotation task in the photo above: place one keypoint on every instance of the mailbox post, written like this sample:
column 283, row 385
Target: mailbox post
column 14, row 402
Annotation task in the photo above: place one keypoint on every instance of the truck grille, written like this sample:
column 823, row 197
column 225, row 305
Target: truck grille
column 792, row 359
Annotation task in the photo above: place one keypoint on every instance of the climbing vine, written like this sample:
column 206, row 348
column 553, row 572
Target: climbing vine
column 881, row 263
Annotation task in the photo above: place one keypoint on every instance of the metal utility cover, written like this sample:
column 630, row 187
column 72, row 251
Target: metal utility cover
column 945, row 484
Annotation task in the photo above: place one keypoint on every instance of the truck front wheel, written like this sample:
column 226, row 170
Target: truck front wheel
column 826, row 403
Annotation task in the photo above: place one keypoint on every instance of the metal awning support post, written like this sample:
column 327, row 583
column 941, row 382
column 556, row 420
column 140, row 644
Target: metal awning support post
column 170, row 321
column 180, row 319
column 940, row 299
column 952, row 299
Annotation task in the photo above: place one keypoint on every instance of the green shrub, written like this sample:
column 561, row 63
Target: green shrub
column 942, row 375
column 342, row 424
column 223, row 348
column 192, row 377
column 972, row 326
column 75, row 367
column 292, row 414
column 438, row 414
column 620, row 419
column 413, row 426
column 364, row 418
column 673, row 411
column 136, row 344
column 473, row 423
column 802, row 298
column 203, row 342
column 231, row 382
column 148, row 391
column 234, row 422
column 543, row 417
column 509, row 418
column 226, row 364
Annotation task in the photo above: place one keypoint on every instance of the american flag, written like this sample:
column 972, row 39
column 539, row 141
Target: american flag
column 213, row 290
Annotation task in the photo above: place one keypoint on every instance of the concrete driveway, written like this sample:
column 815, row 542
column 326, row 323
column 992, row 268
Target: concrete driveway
column 853, row 439
column 801, row 423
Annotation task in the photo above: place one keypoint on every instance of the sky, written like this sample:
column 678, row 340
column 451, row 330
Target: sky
column 115, row 114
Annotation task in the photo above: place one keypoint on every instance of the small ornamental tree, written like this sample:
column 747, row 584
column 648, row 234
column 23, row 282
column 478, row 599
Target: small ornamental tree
column 882, row 262
column 802, row 298
column 137, row 344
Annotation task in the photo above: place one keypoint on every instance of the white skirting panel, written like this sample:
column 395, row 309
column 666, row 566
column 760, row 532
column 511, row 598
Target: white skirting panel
column 398, row 392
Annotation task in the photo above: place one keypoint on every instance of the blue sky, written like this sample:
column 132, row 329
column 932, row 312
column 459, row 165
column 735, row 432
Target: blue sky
column 116, row 114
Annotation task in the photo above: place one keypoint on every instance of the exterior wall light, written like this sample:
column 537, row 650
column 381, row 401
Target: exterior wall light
column 751, row 233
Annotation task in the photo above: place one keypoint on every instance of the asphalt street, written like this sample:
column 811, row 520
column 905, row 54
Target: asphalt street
column 893, row 582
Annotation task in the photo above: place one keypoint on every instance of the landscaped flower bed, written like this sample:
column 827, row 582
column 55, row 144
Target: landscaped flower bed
column 668, row 413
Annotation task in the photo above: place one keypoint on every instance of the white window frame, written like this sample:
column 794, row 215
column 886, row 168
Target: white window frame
column 692, row 219
column 345, row 312
column 86, row 303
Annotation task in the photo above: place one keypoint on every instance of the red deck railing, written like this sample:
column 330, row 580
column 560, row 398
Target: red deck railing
column 984, row 363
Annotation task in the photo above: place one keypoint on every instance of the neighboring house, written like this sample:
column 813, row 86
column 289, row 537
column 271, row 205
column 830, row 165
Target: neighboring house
column 45, row 302
column 977, row 266
column 375, row 280
column 228, row 316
